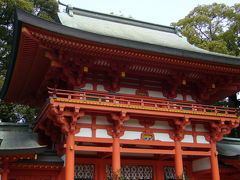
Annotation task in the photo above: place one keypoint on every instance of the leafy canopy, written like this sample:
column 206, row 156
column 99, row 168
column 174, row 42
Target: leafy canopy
column 214, row 27
column 46, row 9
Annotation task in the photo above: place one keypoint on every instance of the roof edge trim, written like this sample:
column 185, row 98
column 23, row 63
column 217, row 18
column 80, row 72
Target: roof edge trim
column 12, row 58
column 123, row 20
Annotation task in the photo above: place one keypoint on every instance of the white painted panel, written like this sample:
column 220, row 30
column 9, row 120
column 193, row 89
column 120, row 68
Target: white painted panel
column 161, row 125
column 202, row 140
column 102, row 133
column 131, row 135
column 100, row 87
column 179, row 97
column 84, row 132
column 163, row 137
column 189, row 98
column 132, row 123
column 102, row 120
column 188, row 139
column 201, row 164
column 85, row 119
column 189, row 128
column 200, row 128
column 88, row 86
column 127, row 91
column 156, row 94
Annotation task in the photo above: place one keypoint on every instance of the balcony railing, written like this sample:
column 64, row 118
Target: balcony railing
column 137, row 102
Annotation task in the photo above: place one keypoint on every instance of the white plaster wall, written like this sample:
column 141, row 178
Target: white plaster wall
column 84, row 132
column 88, row 86
column 161, row 125
column 100, row 87
column 179, row 97
column 127, row 91
column 202, row 140
column 189, row 98
column 157, row 94
column 201, row 164
column 102, row 120
column 85, row 119
column 189, row 128
column 163, row 137
column 131, row 135
column 200, row 128
column 102, row 133
column 132, row 123
column 188, row 139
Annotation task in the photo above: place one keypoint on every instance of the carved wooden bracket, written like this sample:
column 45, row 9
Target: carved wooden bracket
column 179, row 127
column 118, row 120
column 219, row 129
column 64, row 119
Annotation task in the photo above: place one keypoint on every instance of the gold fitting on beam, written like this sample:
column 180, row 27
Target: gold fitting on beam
column 24, row 29
column 213, row 85
column 85, row 69
column 53, row 63
column 184, row 82
column 71, row 147
column 36, row 156
column 123, row 74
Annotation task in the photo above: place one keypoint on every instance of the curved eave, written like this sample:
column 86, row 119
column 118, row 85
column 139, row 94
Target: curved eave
column 23, row 17
column 26, row 150
column 76, row 33
column 11, row 63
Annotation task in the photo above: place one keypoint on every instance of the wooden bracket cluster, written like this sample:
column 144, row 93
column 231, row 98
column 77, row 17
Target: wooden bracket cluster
column 179, row 125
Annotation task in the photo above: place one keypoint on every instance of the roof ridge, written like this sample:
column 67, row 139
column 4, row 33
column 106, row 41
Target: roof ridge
column 118, row 19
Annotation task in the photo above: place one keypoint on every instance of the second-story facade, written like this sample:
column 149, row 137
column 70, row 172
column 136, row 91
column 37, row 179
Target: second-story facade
column 122, row 98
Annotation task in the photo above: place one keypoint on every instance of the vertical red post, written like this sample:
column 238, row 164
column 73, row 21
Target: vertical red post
column 214, row 162
column 5, row 171
column 116, row 164
column 5, row 174
column 69, row 169
column 178, row 161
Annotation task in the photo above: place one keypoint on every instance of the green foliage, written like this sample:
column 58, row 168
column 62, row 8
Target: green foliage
column 213, row 27
column 46, row 9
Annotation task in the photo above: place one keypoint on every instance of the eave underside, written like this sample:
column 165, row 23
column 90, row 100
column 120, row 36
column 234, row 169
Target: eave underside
column 44, row 57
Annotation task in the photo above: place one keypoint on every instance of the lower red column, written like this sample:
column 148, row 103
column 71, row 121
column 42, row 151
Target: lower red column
column 69, row 169
column 178, row 161
column 116, row 164
column 214, row 162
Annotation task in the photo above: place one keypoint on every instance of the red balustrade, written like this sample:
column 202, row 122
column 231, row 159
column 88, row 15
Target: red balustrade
column 137, row 101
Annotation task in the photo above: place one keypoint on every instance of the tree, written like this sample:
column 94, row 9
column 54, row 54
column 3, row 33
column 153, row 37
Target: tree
column 46, row 9
column 215, row 28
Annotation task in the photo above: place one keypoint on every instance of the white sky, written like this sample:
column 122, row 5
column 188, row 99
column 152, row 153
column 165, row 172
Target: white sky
column 156, row 11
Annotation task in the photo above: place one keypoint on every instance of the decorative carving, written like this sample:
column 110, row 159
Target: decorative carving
column 179, row 126
column 65, row 119
column 118, row 121
column 219, row 128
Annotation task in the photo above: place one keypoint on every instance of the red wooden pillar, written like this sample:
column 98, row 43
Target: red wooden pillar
column 5, row 174
column 5, row 171
column 116, row 163
column 214, row 162
column 178, row 160
column 69, row 169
